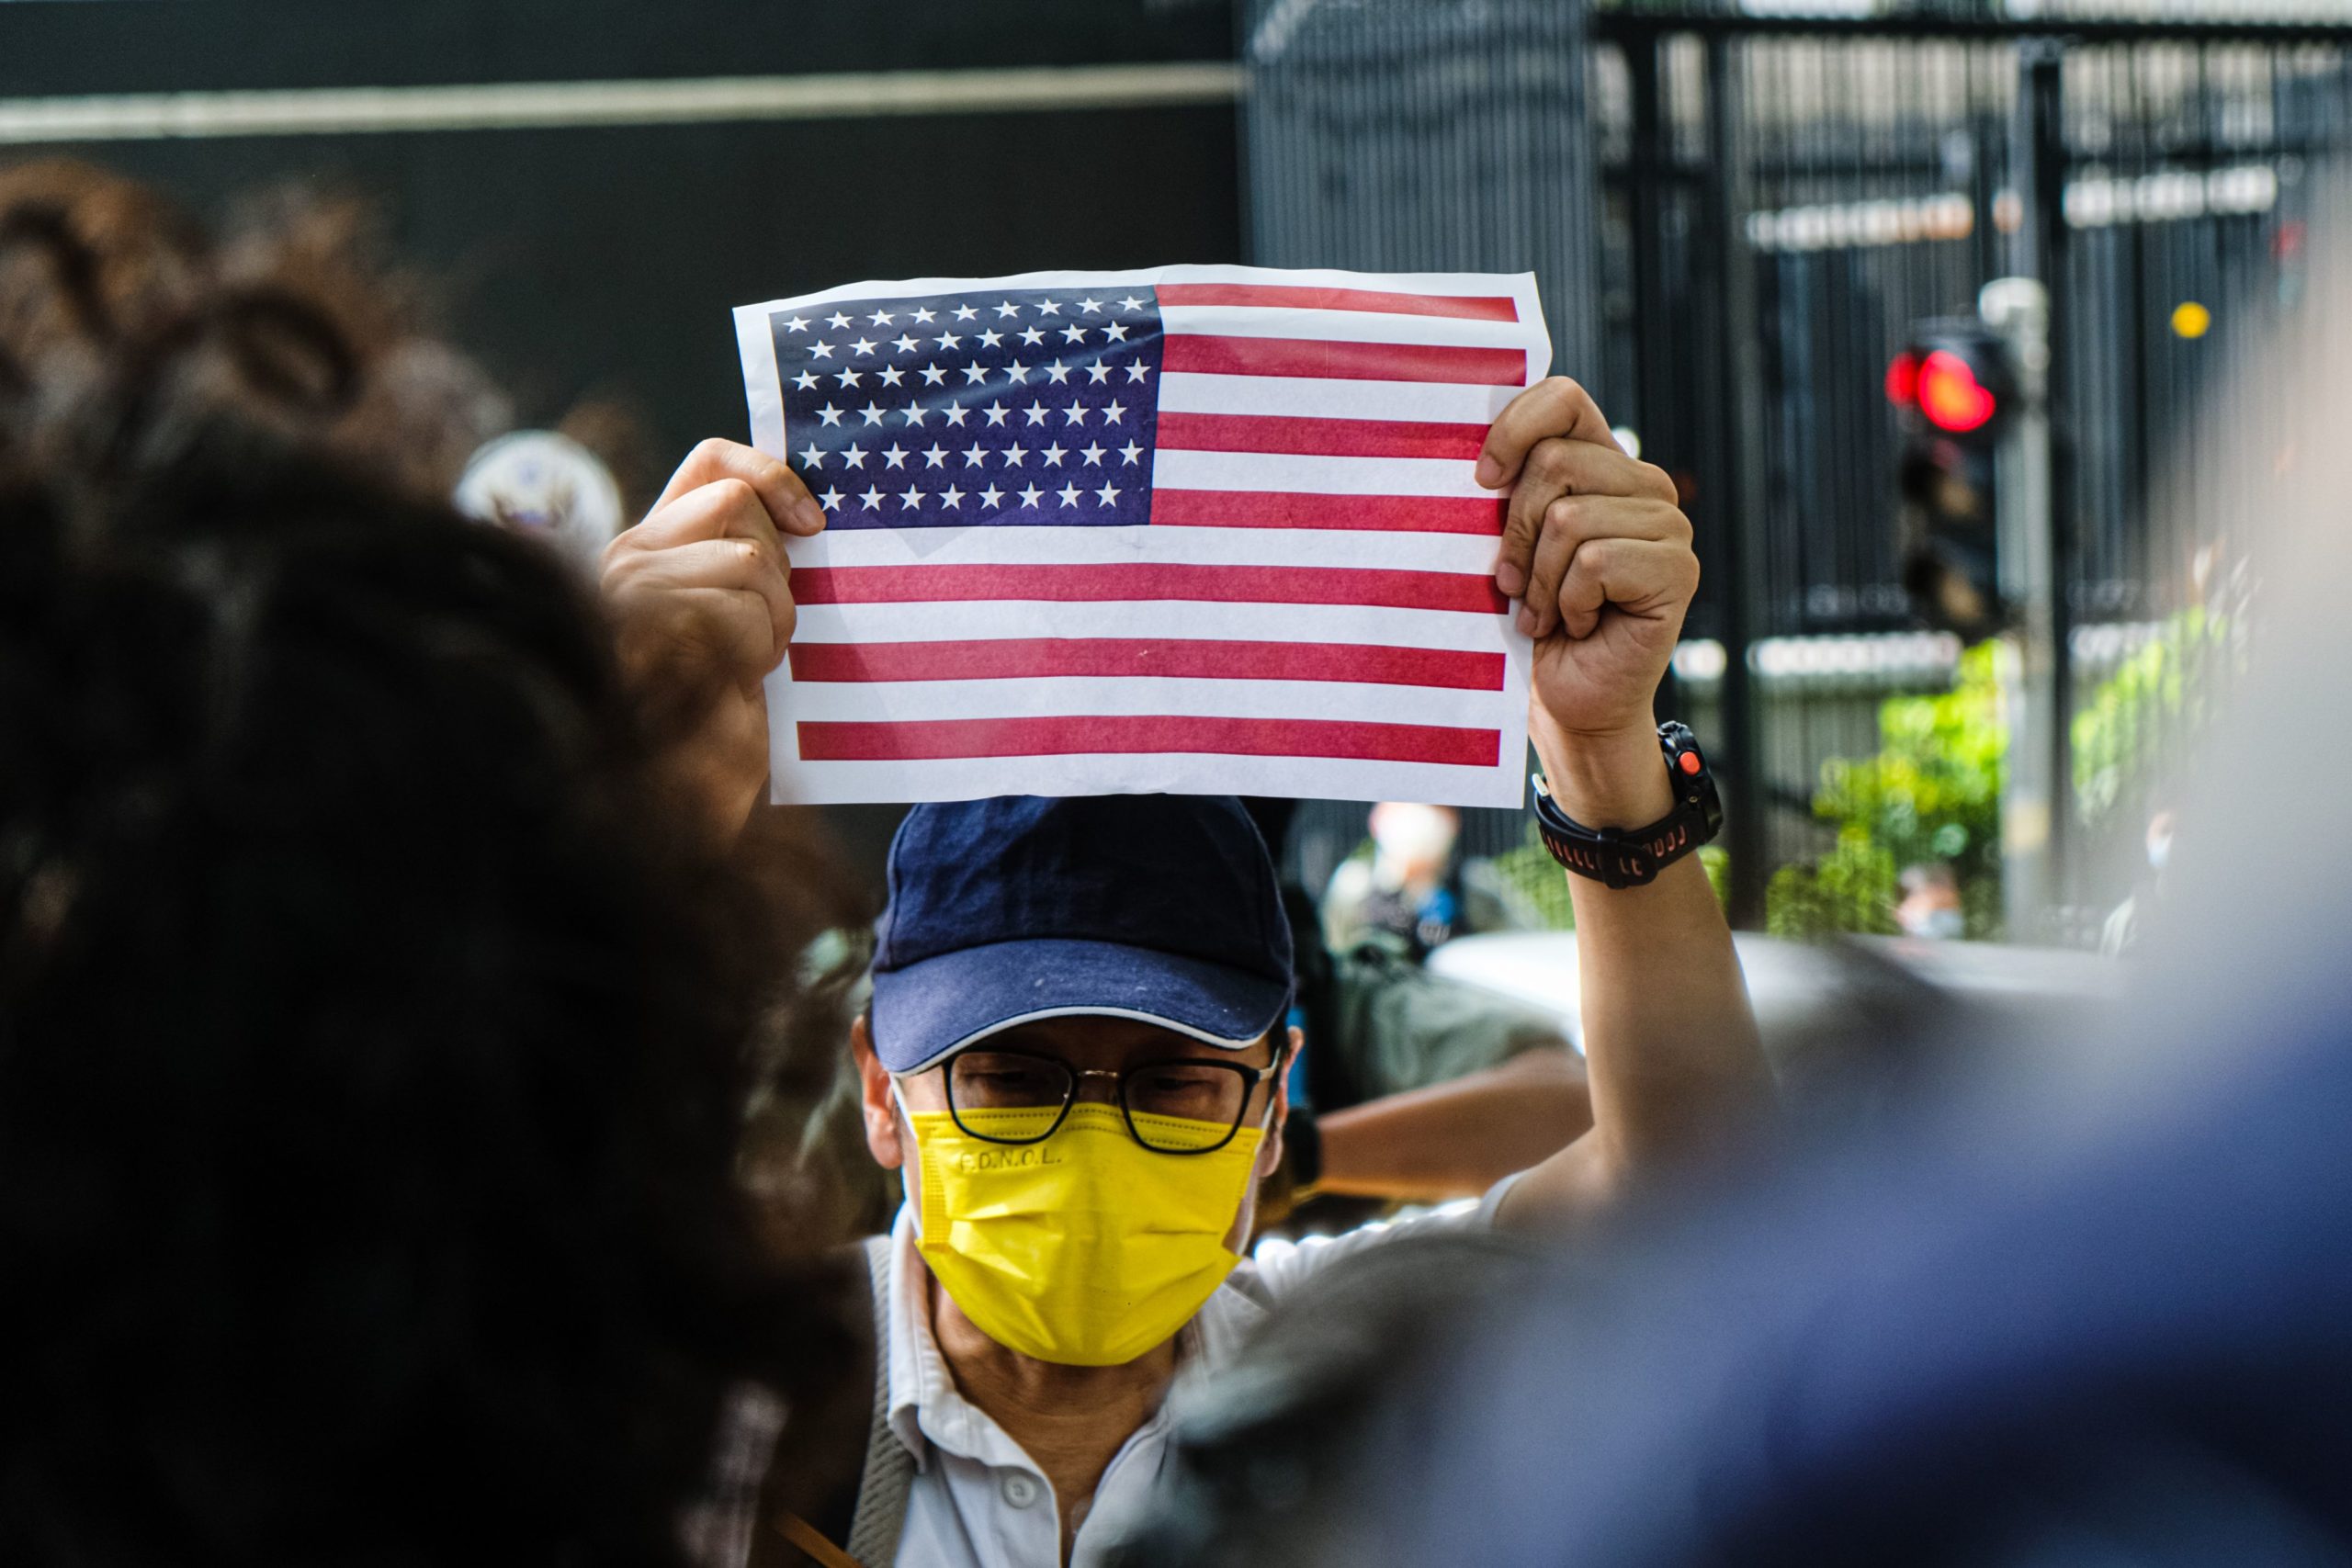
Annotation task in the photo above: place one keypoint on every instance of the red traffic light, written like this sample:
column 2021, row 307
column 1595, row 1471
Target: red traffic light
column 1902, row 379
column 1949, row 394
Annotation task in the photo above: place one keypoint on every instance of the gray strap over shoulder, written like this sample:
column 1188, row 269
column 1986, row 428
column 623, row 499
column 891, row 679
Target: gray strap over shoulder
column 889, row 1471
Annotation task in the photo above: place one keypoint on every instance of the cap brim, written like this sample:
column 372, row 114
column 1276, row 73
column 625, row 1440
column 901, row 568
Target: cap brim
column 925, row 1010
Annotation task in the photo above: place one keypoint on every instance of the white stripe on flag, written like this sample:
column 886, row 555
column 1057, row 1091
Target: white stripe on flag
column 1303, row 397
column 1319, row 476
column 970, row 620
column 976, row 778
column 1338, row 326
column 899, row 701
column 1159, row 546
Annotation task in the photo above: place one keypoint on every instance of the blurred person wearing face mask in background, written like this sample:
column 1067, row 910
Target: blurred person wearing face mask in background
column 1931, row 907
column 1076, row 1044
column 2124, row 927
column 1414, row 888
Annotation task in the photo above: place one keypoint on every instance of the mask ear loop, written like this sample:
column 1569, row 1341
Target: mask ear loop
column 1284, row 1054
column 908, row 1194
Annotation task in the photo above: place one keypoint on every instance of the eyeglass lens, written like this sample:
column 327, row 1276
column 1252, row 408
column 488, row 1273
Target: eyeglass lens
column 1172, row 1107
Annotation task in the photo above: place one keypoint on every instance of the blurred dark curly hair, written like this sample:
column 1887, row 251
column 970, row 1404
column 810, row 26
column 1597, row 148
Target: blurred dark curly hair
column 373, row 1026
column 291, row 301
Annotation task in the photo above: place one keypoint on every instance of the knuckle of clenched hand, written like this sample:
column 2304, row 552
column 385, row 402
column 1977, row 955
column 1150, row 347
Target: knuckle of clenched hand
column 737, row 499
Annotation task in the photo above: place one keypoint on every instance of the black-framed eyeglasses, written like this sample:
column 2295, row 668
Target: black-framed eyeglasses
column 1183, row 1106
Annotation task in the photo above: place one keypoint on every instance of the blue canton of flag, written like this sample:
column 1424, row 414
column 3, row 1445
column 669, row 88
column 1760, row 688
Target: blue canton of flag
column 946, row 410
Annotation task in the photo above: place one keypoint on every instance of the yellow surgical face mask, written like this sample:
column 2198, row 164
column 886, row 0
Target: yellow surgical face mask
column 1086, row 1248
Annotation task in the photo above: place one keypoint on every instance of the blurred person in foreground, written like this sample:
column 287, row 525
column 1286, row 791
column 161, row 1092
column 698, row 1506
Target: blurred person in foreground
column 1099, row 988
column 2086, row 1303
column 95, row 264
column 373, row 1015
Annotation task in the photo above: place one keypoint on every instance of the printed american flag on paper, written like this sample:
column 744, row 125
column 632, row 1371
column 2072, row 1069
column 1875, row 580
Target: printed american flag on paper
column 1192, row 529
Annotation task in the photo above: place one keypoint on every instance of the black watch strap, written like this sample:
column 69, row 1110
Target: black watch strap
column 1623, row 858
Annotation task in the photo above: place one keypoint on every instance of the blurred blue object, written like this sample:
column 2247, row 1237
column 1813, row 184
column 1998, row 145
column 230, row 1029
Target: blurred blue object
column 2037, row 1331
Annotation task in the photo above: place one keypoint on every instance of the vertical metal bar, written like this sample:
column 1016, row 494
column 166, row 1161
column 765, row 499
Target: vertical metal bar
column 1645, row 202
column 1737, row 489
column 2033, row 487
column 2052, row 166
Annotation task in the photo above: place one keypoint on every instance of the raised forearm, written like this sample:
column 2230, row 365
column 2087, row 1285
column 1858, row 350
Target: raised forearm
column 1456, row 1139
column 1671, row 1044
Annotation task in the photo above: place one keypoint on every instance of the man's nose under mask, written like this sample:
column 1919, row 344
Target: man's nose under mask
column 1086, row 1248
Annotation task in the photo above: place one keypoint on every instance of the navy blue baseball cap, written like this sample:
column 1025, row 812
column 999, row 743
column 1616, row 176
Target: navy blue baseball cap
column 1162, row 908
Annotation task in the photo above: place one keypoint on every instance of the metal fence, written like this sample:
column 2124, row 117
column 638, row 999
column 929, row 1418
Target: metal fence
column 1859, row 174
column 1394, row 135
column 1744, row 212
column 1883, row 180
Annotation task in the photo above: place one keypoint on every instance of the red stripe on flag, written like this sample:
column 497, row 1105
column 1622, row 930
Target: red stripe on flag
column 1320, row 437
column 992, row 658
column 1212, row 354
column 1282, row 509
column 1298, row 296
column 1062, row 736
column 1390, row 589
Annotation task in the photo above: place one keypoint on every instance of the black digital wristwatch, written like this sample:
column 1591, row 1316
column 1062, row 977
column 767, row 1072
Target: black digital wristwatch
column 1633, row 857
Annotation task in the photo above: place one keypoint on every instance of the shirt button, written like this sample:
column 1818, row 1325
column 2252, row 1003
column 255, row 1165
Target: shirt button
column 1020, row 1490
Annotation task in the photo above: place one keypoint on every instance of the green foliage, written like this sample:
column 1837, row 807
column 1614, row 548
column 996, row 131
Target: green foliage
column 1532, row 872
column 1851, row 888
column 1932, row 793
column 1717, row 864
column 2144, row 716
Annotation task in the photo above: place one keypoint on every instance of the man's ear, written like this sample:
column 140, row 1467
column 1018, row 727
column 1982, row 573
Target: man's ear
column 880, row 1109
column 1270, row 1152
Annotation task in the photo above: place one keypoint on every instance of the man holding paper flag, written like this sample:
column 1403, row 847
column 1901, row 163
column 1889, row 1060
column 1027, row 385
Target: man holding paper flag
column 1298, row 585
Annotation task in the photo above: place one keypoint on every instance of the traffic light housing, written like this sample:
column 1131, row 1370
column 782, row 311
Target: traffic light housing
column 1954, row 392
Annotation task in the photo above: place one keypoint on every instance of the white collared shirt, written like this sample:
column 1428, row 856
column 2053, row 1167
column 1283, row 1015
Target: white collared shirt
column 977, row 1501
